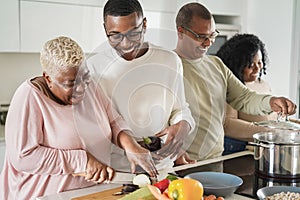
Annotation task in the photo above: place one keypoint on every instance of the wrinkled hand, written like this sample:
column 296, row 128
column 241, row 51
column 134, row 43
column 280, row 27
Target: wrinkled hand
column 184, row 159
column 176, row 133
column 283, row 105
column 142, row 157
column 97, row 171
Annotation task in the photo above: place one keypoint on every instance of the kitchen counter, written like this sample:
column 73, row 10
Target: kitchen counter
column 101, row 187
column 98, row 188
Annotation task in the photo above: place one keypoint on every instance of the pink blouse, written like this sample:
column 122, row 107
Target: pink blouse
column 46, row 142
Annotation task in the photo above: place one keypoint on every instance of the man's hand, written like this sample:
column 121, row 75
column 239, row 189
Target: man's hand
column 184, row 159
column 142, row 157
column 283, row 105
column 176, row 133
column 136, row 154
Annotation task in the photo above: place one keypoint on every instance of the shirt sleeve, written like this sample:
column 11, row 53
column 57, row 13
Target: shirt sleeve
column 117, row 122
column 243, row 99
column 181, row 109
column 25, row 142
column 239, row 128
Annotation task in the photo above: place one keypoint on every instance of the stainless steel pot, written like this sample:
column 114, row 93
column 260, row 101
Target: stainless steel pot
column 277, row 154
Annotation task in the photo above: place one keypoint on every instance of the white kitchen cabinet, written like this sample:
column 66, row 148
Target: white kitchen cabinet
column 75, row 2
column 9, row 23
column 225, row 7
column 41, row 21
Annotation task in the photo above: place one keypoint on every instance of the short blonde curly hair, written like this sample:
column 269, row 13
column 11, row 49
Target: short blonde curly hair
column 60, row 54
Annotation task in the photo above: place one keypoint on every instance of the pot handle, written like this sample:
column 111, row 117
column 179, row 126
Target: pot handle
column 258, row 144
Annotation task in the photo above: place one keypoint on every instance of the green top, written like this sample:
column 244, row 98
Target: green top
column 209, row 84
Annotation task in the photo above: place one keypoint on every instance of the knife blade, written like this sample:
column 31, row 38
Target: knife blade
column 119, row 177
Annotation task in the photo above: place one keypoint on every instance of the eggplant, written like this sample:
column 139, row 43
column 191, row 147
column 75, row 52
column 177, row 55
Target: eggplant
column 152, row 143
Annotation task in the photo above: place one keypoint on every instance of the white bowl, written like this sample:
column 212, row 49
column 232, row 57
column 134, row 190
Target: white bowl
column 217, row 183
column 262, row 193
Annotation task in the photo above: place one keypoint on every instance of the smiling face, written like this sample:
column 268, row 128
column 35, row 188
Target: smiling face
column 251, row 73
column 190, row 47
column 129, row 30
column 69, row 86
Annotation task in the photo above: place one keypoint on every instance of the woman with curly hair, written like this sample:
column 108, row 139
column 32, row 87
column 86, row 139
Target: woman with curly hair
column 246, row 56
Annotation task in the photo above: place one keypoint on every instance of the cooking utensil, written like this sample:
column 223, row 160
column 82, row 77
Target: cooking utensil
column 277, row 154
column 119, row 177
column 217, row 183
column 264, row 192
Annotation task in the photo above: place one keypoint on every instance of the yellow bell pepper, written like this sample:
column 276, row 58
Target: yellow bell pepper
column 185, row 189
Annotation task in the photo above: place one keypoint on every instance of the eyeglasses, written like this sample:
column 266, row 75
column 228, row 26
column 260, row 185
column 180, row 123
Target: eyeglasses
column 131, row 35
column 85, row 80
column 202, row 37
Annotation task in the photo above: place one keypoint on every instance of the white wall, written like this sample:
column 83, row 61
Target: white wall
column 272, row 21
column 16, row 68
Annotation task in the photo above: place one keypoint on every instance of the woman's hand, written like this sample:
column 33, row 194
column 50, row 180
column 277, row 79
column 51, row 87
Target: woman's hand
column 97, row 171
column 136, row 154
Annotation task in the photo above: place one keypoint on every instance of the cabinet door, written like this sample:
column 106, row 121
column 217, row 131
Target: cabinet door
column 9, row 23
column 42, row 21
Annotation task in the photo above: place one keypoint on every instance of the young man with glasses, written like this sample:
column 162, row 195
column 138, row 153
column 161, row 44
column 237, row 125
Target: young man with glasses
column 211, row 85
column 144, row 81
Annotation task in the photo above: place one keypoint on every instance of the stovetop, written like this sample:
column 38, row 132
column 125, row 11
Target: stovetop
column 244, row 167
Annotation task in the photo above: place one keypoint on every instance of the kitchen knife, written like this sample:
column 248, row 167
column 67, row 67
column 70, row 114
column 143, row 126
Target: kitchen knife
column 119, row 177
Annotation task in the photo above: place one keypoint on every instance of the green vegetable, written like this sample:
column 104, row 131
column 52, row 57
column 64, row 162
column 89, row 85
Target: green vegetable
column 142, row 193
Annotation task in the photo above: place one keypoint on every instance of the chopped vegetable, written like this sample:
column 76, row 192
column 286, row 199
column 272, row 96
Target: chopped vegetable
column 162, row 185
column 185, row 189
column 129, row 188
column 152, row 143
column 142, row 193
column 157, row 194
column 142, row 180
column 172, row 177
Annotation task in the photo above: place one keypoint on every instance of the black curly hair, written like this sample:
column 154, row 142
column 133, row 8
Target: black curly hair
column 238, row 52
column 122, row 8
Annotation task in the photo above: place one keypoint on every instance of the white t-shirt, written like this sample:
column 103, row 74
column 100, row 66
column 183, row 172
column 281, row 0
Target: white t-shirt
column 147, row 91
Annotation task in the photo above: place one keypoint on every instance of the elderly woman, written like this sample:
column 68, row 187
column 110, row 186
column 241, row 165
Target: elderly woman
column 59, row 124
column 246, row 56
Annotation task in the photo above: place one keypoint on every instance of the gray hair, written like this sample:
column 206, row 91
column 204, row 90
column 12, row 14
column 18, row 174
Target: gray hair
column 60, row 54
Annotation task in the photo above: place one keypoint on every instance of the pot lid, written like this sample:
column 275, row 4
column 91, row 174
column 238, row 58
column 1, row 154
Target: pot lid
column 278, row 137
column 282, row 125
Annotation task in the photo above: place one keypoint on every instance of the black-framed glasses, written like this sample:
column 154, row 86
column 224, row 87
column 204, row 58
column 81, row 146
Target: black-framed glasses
column 132, row 35
column 203, row 37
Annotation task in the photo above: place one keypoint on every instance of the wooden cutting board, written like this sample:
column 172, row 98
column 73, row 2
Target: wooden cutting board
column 104, row 195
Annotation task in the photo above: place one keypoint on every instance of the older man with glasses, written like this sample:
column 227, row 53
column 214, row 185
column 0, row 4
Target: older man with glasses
column 144, row 81
column 211, row 85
